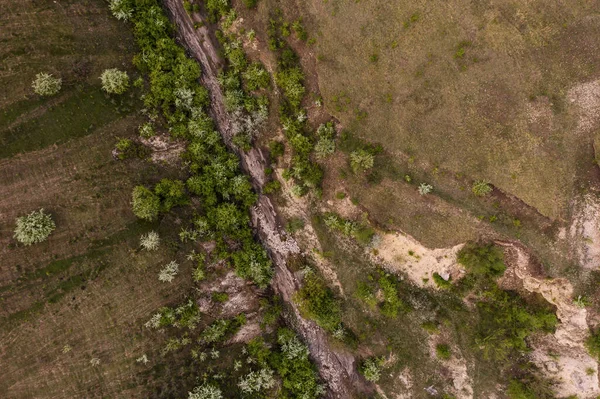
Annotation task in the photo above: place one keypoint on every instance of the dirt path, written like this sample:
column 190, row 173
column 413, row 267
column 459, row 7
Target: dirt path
column 336, row 368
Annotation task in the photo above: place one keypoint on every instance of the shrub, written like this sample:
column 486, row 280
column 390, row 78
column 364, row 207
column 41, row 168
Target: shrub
column 252, row 262
column 481, row 188
column 168, row 273
column 290, row 80
column 171, row 194
column 256, row 77
column 146, row 204
column 150, row 241
column 392, row 303
column 317, row 301
column 250, row 3
column 299, row 377
column 506, row 321
column 325, row 146
column 46, row 85
column 593, row 344
column 114, row 81
column 294, row 224
column 371, row 368
column 216, row 9
column 34, row 228
column 276, row 148
column 299, row 29
column 441, row 282
column 425, row 188
column 361, row 160
column 365, row 293
column 220, row 297
column 443, row 351
column 147, row 130
column 256, row 381
column 127, row 148
column 205, row 391
column 271, row 187
column 482, row 259
column 121, row 9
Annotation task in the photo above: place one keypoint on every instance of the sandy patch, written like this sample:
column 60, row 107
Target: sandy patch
column 401, row 252
column 584, row 232
column 586, row 98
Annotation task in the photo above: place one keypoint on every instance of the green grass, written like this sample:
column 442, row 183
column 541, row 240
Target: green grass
column 80, row 114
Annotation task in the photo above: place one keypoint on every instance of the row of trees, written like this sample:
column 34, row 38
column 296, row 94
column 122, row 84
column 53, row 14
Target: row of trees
column 113, row 81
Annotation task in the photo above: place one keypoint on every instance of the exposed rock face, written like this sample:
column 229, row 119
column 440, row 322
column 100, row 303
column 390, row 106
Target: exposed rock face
column 336, row 368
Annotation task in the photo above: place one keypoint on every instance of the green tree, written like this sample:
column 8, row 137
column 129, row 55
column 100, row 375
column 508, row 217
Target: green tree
column 34, row 228
column 114, row 81
column 146, row 204
column 371, row 368
column 46, row 85
column 171, row 194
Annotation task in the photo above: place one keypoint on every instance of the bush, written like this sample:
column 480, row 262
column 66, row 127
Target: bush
column 317, row 301
column 481, row 188
column 256, row 381
column 482, row 259
column 392, row 303
column 252, row 262
column 371, row 368
column 361, row 160
column 121, row 9
column 46, row 85
column 127, row 148
column 325, row 146
column 290, row 80
column 294, row 224
column 147, row 130
column 250, row 3
column 171, row 194
column 300, row 378
column 114, row 81
column 146, row 204
column 256, row 77
column 34, row 228
column 440, row 282
column 205, row 391
column 168, row 273
column 220, row 297
column 150, row 241
column 425, row 188
column 276, row 148
column 505, row 322
column 443, row 351
column 593, row 344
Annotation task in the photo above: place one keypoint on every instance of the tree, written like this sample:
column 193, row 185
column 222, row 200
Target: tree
column 121, row 9
column 146, row 204
column 425, row 188
column 150, row 241
column 114, row 81
column 34, row 228
column 205, row 391
column 371, row 368
column 168, row 273
column 46, row 85
column 361, row 160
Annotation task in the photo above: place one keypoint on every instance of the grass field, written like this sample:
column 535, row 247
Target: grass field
column 87, row 291
column 479, row 90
